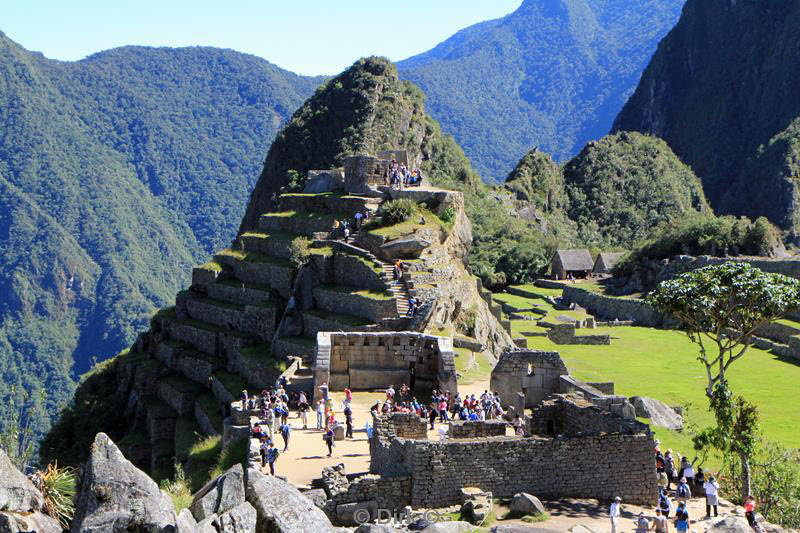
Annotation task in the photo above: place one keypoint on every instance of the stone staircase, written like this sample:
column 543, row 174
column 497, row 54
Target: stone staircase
column 397, row 288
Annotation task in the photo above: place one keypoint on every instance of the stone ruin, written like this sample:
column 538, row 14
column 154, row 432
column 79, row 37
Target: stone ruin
column 363, row 361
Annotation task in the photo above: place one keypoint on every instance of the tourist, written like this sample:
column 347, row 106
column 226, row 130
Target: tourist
column 390, row 393
column 518, row 430
column 358, row 217
column 682, row 521
column 348, row 394
column 335, row 229
column 272, row 456
column 346, row 234
column 303, row 408
column 683, row 492
column 257, row 433
column 328, row 437
column 750, row 511
column 660, row 522
column 320, row 413
column 263, row 449
column 659, row 461
column 614, row 512
column 662, row 480
column 243, row 398
column 286, row 431
column 348, row 420
column 432, row 414
column 712, row 496
column 669, row 468
column 642, row 524
column 664, row 503
column 687, row 470
column 443, row 411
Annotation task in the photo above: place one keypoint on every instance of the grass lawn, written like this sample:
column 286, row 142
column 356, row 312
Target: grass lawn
column 411, row 225
column 662, row 364
column 479, row 372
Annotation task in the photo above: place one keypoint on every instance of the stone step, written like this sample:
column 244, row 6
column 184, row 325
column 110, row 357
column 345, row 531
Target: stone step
column 271, row 244
column 179, row 393
column 259, row 269
column 206, row 337
column 234, row 291
column 316, row 320
column 207, row 273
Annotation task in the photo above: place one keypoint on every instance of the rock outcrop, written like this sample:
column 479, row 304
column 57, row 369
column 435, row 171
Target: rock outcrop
column 281, row 508
column 523, row 504
column 115, row 496
column 21, row 502
column 659, row 413
column 220, row 495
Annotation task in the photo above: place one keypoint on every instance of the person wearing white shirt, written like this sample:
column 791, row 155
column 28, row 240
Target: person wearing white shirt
column 614, row 512
column 712, row 495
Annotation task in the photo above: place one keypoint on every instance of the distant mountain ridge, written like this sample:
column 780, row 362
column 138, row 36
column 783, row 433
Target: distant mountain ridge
column 553, row 74
column 109, row 169
column 722, row 90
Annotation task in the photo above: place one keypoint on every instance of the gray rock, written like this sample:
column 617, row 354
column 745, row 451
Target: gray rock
column 17, row 493
column 240, row 519
column 660, row 414
column 353, row 514
column 28, row 522
column 408, row 246
column 219, row 495
column 526, row 504
column 580, row 528
column 729, row 524
column 115, row 496
column 186, row 522
column 207, row 525
column 323, row 181
column 375, row 528
column 519, row 528
column 281, row 508
column 317, row 496
column 449, row 527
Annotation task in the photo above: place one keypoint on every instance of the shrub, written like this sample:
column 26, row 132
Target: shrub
column 299, row 251
column 57, row 486
column 448, row 215
column 397, row 211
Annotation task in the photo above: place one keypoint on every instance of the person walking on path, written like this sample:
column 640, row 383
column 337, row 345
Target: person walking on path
column 286, row 431
column 683, row 492
column 348, row 420
column 712, row 496
column 614, row 512
column 263, row 449
column 303, row 408
column 682, row 521
column 664, row 503
column 660, row 522
column 642, row 524
column 328, row 437
column 272, row 456
column 669, row 467
column 320, row 414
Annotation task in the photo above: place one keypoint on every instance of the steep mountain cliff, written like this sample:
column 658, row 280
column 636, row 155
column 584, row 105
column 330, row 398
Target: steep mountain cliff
column 552, row 74
column 722, row 91
column 109, row 168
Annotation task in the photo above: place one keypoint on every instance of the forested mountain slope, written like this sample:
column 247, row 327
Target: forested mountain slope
column 109, row 169
column 553, row 74
column 722, row 90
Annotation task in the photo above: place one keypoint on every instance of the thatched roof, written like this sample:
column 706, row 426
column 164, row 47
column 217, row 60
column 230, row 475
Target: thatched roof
column 575, row 259
column 608, row 259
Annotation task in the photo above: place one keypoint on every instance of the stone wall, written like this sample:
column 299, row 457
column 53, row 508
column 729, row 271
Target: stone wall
column 361, row 171
column 380, row 359
column 474, row 429
column 621, row 465
column 354, row 271
column 345, row 303
column 610, row 308
column 565, row 334
column 533, row 372
column 571, row 415
column 371, row 492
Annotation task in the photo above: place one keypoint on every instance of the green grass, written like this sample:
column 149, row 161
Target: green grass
column 355, row 291
column 520, row 302
column 208, row 404
column 325, row 251
column 412, row 224
column 662, row 364
column 539, row 290
column 479, row 372
column 254, row 257
column 533, row 519
column 348, row 320
column 187, row 432
column 236, row 452
column 212, row 266
column 233, row 383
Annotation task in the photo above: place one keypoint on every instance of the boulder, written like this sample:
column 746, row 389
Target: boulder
column 408, row 246
column 375, row 528
column 659, row 413
column 115, row 496
column 281, row 508
column 477, row 504
column 338, row 432
column 449, row 527
column 523, row 504
column 322, row 181
column 354, row 514
column 207, row 525
column 519, row 528
column 580, row 528
column 728, row 524
column 17, row 493
column 219, row 495
column 240, row 519
column 28, row 522
column 317, row 496
column 186, row 522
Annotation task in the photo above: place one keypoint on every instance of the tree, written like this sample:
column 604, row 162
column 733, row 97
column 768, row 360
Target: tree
column 725, row 305
column 299, row 251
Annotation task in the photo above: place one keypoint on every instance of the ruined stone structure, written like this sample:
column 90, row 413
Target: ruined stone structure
column 535, row 374
column 596, row 455
column 362, row 361
column 361, row 172
column 567, row 334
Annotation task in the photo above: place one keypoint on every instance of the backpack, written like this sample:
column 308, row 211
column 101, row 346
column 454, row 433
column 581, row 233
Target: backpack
column 682, row 492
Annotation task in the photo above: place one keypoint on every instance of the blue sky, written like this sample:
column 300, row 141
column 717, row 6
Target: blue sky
column 304, row 36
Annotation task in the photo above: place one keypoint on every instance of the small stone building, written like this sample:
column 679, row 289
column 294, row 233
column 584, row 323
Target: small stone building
column 365, row 361
column 362, row 171
column 534, row 373
column 575, row 263
column 605, row 262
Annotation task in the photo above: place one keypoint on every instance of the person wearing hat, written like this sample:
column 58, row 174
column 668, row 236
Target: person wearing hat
column 712, row 496
column 683, row 493
column 642, row 524
column 682, row 521
column 614, row 512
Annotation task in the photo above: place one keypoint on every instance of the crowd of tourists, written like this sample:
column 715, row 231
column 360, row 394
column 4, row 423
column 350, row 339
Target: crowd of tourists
column 399, row 176
column 345, row 229
column 678, row 482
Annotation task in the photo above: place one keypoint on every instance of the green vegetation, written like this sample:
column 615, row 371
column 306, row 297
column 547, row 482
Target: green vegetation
column 743, row 171
column 299, row 251
column 58, row 488
column 472, row 368
column 117, row 173
column 392, row 230
column 551, row 75
column 397, row 211
column 366, row 293
column 209, row 405
column 233, row 383
column 716, row 236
